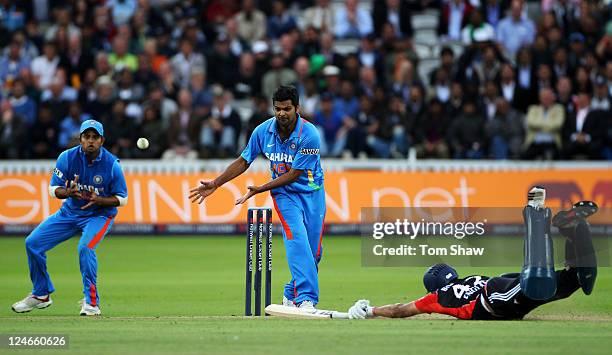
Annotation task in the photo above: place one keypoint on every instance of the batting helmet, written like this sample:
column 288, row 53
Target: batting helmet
column 438, row 276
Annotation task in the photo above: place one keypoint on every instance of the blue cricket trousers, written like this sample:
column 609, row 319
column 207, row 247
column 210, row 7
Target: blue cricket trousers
column 60, row 227
column 302, row 217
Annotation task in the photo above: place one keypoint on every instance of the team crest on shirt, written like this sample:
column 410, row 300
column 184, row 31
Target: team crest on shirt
column 97, row 179
column 293, row 146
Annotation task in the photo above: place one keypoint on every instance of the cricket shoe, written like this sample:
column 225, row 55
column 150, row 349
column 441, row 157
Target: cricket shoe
column 536, row 197
column 579, row 211
column 287, row 302
column 89, row 310
column 30, row 302
column 307, row 306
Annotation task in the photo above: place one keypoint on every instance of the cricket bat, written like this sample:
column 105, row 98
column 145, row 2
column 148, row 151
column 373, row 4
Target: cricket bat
column 294, row 312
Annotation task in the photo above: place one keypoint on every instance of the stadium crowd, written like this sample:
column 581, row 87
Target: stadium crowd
column 504, row 81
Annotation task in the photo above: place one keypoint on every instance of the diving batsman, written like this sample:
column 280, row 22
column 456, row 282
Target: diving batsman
column 509, row 296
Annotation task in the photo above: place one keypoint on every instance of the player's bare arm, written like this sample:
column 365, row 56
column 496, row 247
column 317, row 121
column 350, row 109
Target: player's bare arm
column 289, row 177
column 206, row 188
column 362, row 309
column 398, row 310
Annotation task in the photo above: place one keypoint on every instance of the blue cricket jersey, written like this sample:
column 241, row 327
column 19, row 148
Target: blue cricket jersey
column 300, row 151
column 103, row 176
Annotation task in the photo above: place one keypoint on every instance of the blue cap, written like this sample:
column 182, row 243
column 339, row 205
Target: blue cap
column 92, row 124
column 438, row 276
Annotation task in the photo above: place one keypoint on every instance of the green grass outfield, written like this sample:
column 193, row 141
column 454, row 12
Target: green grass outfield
column 186, row 295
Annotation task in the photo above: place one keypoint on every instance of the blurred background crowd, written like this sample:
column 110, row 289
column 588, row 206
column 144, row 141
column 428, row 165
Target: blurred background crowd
column 460, row 79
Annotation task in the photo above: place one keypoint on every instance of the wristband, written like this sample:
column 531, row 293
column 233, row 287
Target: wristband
column 369, row 311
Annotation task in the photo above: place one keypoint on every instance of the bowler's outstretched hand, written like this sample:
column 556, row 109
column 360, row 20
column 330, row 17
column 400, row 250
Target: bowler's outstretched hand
column 199, row 193
column 253, row 190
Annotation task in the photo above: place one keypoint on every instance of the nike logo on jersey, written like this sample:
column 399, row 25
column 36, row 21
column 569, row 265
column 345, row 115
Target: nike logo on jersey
column 271, row 145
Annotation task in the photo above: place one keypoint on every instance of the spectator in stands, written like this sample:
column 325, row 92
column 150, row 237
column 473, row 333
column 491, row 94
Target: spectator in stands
column 183, row 131
column 120, row 57
column 288, row 49
column 544, row 123
column 577, row 48
column 328, row 51
column 455, row 103
column 390, row 134
column 153, row 57
column 515, row 30
column 564, row 95
column 601, row 95
column 441, row 85
column 309, row 99
column 347, row 102
column 281, row 21
column 251, row 22
column 544, row 77
column 260, row 114
column 12, row 133
column 248, row 83
column 44, row 67
column 370, row 57
column 101, row 106
column 222, row 63
column 352, row 21
column 62, row 23
column 489, row 100
column 220, row 130
column 43, row 134
column 58, row 90
column 394, row 12
column 525, row 75
column 145, row 75
column 504, row 132
column 333, row 126
column 350, row 69
column 277, row 75
column 185, row 61
column 560, row 66
column 309, row 44
column 127, row 89
column 447, row 62
column 123, row 132
column 11, row 64
column 200, row 93
column 477, row 30
column 77, row 61
column 466, row 133
column 122, row 10
column 321, row 16
column 582, row 80
column 69, row 126
column 430, row 131
column 152, row 129
column 453, row 17
column 493, row 11
column 22, row 105
column 582, row 131
column 368, row 82
column 490, row 65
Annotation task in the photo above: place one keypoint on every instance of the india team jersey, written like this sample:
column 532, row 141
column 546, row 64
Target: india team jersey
column 457, row 299
column 103, row 176
column 300, row 151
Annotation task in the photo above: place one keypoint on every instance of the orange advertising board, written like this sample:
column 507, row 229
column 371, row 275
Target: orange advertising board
column 163, row 198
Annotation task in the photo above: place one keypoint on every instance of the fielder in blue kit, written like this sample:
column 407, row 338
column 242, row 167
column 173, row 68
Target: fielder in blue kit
column 91, row 181
column 291, row 144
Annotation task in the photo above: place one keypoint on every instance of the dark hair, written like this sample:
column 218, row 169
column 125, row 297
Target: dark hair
column 286, row 92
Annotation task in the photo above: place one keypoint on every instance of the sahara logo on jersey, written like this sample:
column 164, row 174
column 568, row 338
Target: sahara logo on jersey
column 279, row 157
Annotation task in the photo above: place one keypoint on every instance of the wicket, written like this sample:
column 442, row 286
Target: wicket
column 255, row 222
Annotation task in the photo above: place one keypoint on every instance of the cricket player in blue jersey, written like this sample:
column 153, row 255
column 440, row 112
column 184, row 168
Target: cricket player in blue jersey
column 291, row 144
column 90, row 180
